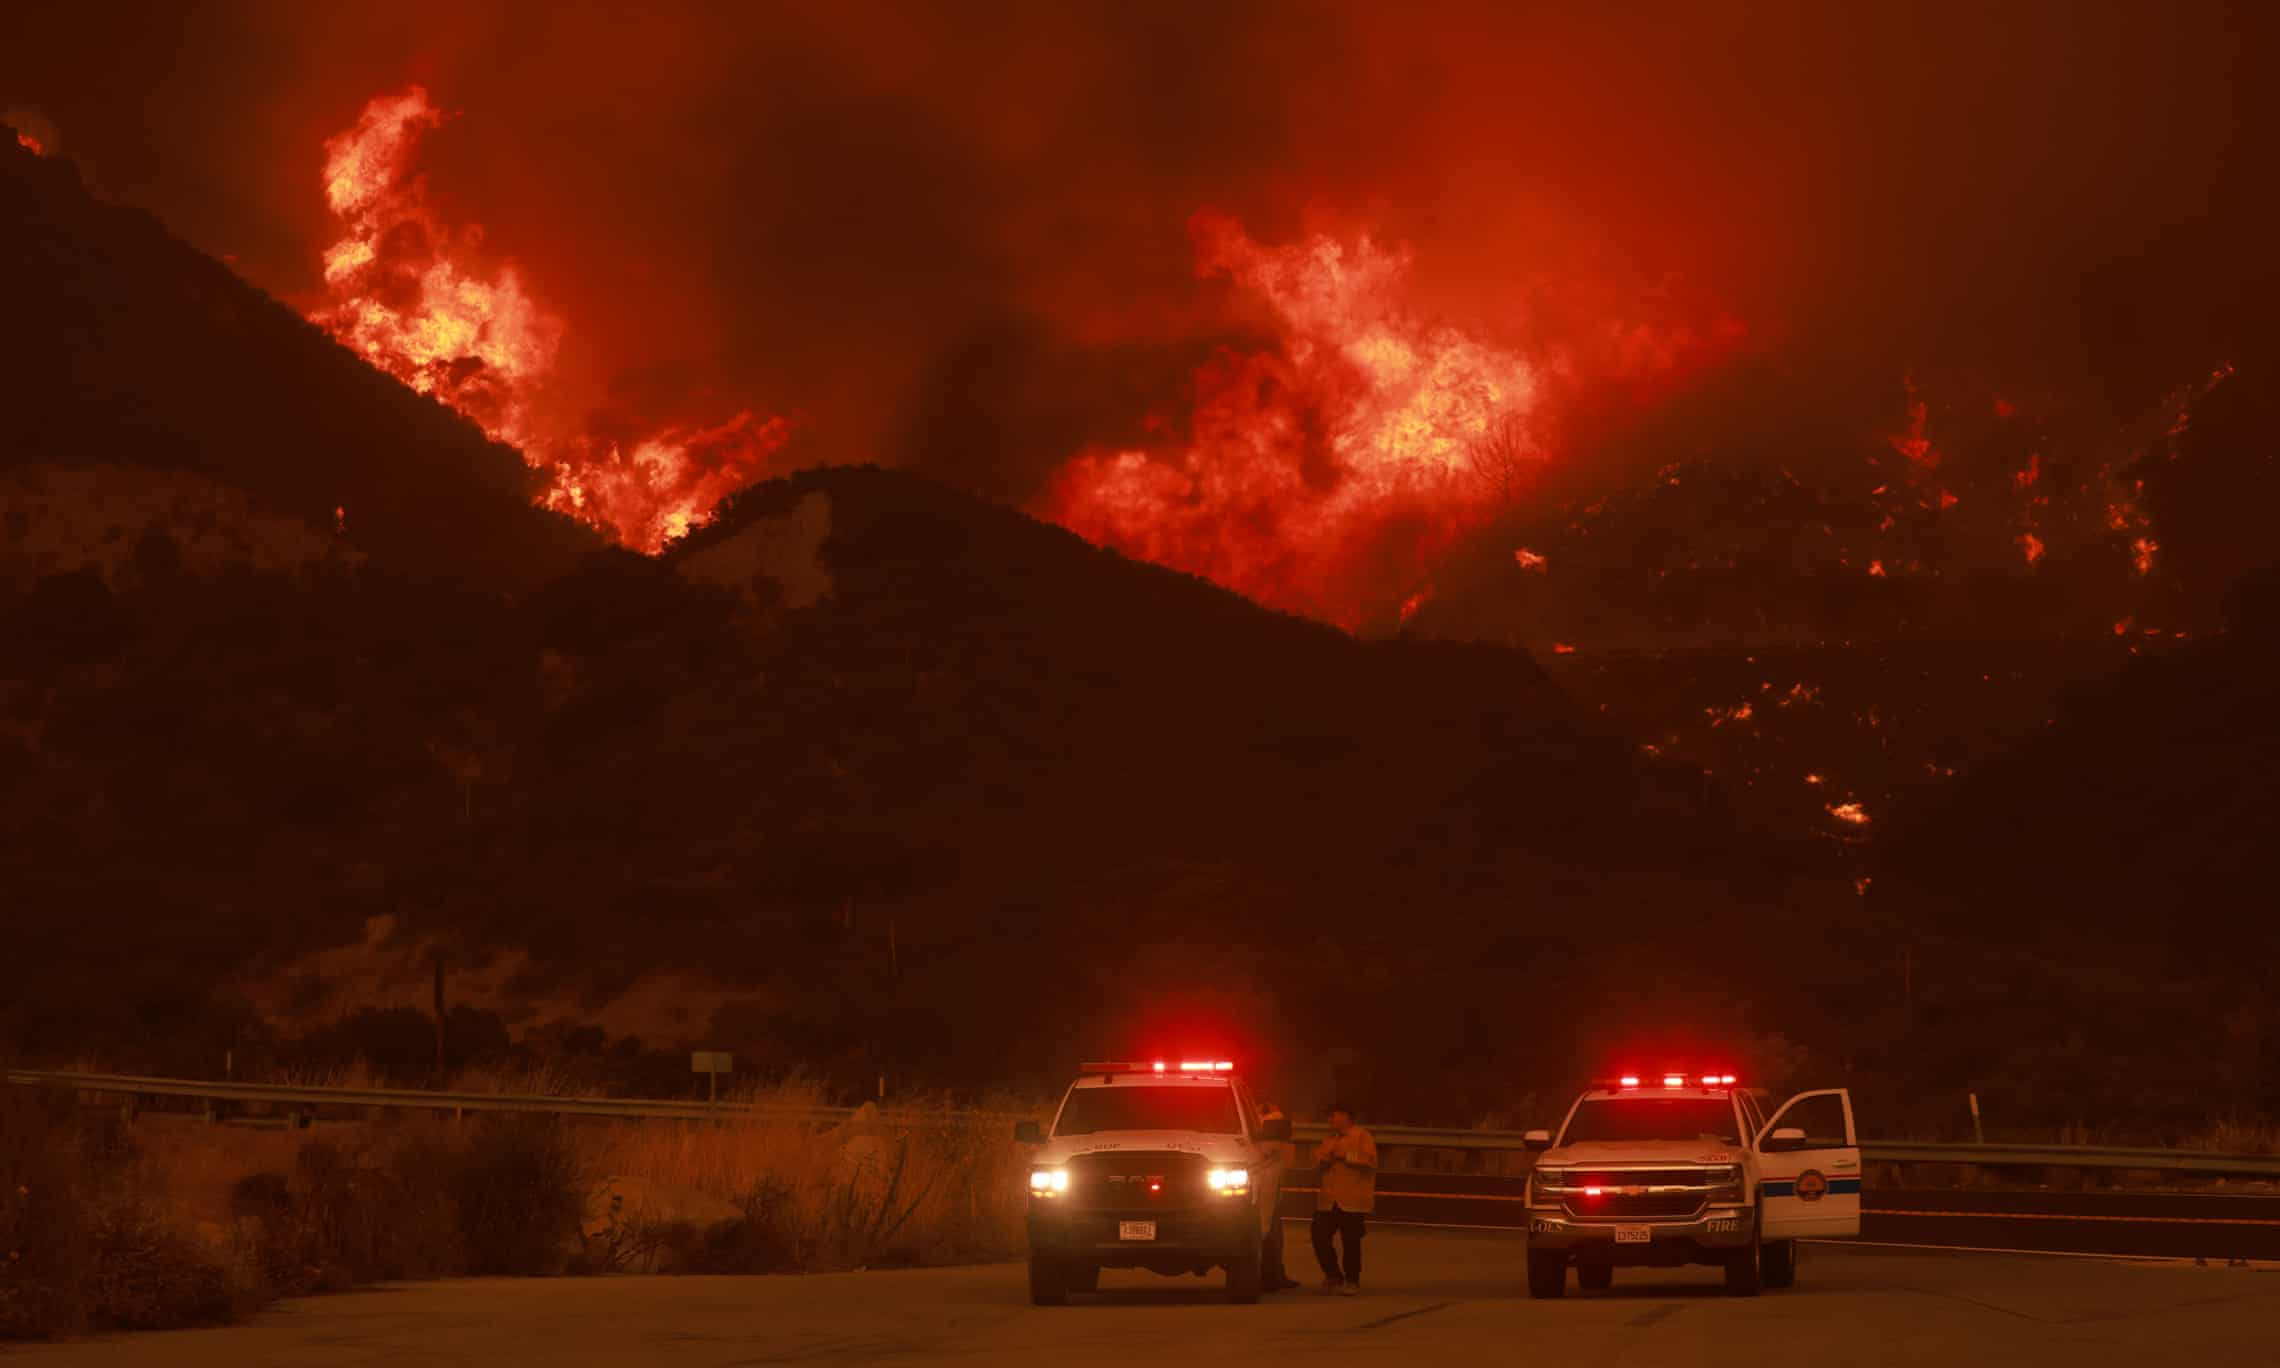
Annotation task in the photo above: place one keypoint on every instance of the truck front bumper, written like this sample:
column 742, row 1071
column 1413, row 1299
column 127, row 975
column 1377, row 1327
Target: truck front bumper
column 1712, row 1231
column 1187, row 1238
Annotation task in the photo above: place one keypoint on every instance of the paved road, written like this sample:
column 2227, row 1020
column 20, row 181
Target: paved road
column 2215, row 1225
column 1435, row 1297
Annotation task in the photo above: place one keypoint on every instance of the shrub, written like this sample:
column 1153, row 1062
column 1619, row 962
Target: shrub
column 43, row 1234
column 518, row 1188
column 89, row 1238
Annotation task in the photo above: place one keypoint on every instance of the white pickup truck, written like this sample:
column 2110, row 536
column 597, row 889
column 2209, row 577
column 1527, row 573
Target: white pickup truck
column 1670, row 1168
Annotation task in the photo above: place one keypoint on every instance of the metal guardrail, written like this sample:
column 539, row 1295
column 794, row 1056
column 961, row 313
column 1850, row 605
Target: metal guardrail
column 291, row 1096
column 625, row 1108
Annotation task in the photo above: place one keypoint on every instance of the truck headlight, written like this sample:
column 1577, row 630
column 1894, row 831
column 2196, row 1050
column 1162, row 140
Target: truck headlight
column 1048, row 1182
column 1229, row 1180
column 1725, row 1184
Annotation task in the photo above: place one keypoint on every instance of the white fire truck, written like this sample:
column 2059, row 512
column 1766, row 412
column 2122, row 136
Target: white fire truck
column 1147, row 1165
column 1662, row 1169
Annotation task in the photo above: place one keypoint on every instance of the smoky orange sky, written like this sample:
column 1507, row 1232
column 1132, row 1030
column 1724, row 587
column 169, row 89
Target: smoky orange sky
column 957, row 237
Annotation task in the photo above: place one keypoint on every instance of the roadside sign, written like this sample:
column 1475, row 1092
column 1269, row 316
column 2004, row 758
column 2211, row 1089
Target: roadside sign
column 712, row 1064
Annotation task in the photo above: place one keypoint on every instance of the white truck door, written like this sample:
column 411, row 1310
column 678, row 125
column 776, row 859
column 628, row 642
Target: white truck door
column 1810, row 1185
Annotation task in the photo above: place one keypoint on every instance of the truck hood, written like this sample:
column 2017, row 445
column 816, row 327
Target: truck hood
column 1214, row 1149
column 1641, row 1152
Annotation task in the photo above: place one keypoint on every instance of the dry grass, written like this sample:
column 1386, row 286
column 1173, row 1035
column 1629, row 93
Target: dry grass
column 171, row 1222
column 2236, row 1137
column 900, row 1186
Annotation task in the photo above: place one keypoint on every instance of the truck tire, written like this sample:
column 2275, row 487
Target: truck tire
column 1243, row 1274
column 1048, row 1281
column 1778, row 1262
column 1743, row 1276
column 1594, row 1276
column 1547, row 1273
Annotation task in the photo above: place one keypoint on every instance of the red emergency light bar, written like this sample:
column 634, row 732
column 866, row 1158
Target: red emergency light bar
column 1187, row 1066
column 1677, row 1079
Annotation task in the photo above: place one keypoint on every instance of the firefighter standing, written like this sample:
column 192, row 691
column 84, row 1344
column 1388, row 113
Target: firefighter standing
column 1348, row 1161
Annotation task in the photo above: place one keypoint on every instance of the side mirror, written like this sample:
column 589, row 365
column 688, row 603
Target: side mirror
column 1275, row 1128
column 1786, row 1138
column 1026, row 1133
column 1537, row 1139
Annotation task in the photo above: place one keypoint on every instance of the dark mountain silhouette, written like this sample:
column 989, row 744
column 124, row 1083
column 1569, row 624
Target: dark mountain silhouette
column 873, row 777
column 123, row 345
column 2097, row 901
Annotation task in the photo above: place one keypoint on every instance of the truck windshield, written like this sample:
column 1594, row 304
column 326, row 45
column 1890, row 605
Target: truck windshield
column 1210, row 1111
column 1651, row 1118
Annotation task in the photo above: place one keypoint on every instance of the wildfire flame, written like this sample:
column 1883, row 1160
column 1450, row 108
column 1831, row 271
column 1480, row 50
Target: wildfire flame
column 30, row 144
column 411, row 295
column 1327, row 474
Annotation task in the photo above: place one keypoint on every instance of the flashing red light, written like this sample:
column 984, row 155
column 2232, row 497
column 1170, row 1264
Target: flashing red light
column 1629, row 1080
column 1155, row 1187
column 1591, row 1192
column 1190, row 1066
column 1674, row 1080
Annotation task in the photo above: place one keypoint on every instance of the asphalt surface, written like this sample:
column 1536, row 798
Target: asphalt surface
column 1434, row 1296
column 2193, row 1225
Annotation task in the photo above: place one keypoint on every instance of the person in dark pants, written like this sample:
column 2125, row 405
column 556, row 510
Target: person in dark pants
column 1348, row 1162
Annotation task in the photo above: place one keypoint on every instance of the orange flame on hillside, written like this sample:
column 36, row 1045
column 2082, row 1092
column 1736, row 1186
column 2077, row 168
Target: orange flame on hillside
column 413, row 296
column 1328, row 474
column 30, row 144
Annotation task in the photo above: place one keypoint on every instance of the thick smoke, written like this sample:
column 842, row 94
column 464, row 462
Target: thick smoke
column 956, row 237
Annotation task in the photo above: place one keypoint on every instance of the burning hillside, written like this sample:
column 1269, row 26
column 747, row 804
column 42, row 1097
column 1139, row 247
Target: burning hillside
column 412, row 295
column 1330, row 474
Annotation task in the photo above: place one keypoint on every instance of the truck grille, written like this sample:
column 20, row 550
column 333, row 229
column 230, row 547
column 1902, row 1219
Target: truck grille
column 1635, row 1194
column 1661, row 1177
column 1137, row 1182
column 1623, row 1206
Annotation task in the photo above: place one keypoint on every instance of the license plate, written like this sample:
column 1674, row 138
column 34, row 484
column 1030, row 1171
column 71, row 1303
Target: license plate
column 1135, row 1230
column 1634, row 1234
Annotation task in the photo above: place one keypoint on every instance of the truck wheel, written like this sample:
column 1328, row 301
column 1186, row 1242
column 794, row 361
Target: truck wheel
column 1243, row 1274
column 1778, row 1262
column 1743, row 1278
column 1547, row 1273
column 1594, row 1276
column 1048, row 1281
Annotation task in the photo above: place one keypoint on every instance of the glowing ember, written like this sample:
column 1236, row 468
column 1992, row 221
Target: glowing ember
column 2032, row 546
column 1529, row 560
column 1410, row 605
column 2141, row 554
column 1562, row 648
column 1912, row 443
column 408, row 293
column 1851, row 814
column 30, row 144
column 1876, row 568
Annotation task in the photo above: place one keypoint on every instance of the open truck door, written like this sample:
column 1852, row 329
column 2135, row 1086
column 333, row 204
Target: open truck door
column 1809, row 1168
